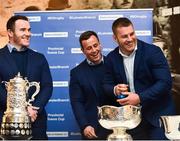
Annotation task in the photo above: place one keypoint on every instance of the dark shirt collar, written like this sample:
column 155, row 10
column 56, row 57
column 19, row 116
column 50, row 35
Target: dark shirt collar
column 13, row 48
column 92, row 64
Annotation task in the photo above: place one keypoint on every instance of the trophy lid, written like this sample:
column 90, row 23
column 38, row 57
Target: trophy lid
column 17, row 79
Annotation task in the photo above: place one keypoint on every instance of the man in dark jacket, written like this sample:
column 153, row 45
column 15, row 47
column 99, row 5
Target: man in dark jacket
column 17, row 57
column 143, row 69
column 86, row 92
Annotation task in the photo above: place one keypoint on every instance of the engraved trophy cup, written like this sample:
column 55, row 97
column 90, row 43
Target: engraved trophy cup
column 16, row 123
column 119, row 119
column 171, row 125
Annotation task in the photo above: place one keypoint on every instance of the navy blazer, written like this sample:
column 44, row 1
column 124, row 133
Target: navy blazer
column 37, row 70
column 84, row 96
column 152, row 80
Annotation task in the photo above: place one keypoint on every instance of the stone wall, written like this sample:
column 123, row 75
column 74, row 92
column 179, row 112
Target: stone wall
column 8, row 7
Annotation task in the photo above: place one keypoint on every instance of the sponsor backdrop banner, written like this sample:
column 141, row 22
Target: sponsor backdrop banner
column 56, row 35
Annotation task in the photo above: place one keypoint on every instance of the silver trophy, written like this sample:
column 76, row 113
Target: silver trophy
column 119, row 119
column 171, row 125
column 16, row 123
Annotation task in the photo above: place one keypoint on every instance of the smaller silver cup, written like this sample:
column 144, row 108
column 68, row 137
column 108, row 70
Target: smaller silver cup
column 119, row 119
column 171, row 125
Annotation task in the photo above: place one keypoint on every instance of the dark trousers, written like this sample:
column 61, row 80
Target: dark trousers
column 39, row 134
column 146, row 131
column 39, row 128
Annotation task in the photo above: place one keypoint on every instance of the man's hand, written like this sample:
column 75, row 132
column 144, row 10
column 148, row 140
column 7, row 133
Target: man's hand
column 89, row 132
column 119, row 88
column 32, row 111
column 131, row 99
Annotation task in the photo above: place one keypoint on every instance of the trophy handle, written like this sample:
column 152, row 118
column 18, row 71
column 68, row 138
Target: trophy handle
column 5, row 83
column 165, row 124
column 36, row 84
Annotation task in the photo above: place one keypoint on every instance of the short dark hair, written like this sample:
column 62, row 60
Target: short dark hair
column 86, row 35
column 11, row 22
column 120, row 22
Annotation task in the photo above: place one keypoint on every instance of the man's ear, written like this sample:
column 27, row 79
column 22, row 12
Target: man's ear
column 82, row 49
column 114, row 37
column 10, row 33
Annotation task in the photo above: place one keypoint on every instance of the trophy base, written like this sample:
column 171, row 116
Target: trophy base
column 5, row 137
column 16, row 127
column 119, row 134
column 115, row 137
column 15, row 131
